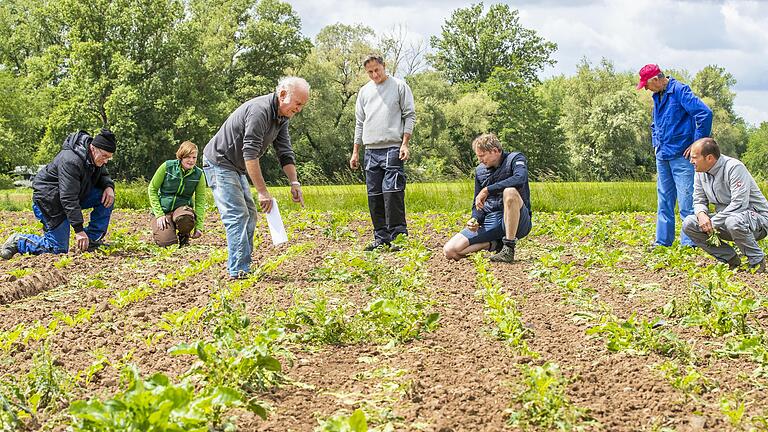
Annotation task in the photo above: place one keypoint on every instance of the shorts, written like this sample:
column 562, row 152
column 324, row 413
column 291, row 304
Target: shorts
column 493, row 227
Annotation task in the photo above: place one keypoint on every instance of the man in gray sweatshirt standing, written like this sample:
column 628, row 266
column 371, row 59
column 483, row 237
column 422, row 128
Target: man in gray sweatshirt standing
column 741, row 210
column 234, row 152
column 384, row 116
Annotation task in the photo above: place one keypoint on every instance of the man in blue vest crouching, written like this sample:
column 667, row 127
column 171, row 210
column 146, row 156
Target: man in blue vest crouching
column 501, row 212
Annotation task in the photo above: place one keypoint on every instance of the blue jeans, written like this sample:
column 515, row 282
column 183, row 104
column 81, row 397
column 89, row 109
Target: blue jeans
column 56, row 240
column 674, row 182
column 232, row 196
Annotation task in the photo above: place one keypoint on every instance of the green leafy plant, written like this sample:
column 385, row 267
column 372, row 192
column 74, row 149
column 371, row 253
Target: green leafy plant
column 83, row 316
column 541, row 401
column 639, row 336
column 176, row 322
column 714, row 239
column 63, row 262
column 501, row 309
column 685, row 378
column 355, row 422
column 45, row 386
column 156, row 404
column 733, row 408
column 20, row 273
column 240, row 358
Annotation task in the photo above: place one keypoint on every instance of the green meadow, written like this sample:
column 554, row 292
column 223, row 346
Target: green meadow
column 577, row 197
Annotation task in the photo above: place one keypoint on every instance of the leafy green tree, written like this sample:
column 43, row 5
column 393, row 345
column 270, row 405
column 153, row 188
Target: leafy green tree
column 154, row 71
column 432, row 150
column 525, row 124
column 472, row 44
column 268, row 44
column 20, row 121
column 324, row 131
column 756, row 156
column 606, row 125
column 715, row 82
column 468, row 117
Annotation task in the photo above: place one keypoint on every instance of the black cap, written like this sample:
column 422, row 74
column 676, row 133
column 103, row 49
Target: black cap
column 105, row 140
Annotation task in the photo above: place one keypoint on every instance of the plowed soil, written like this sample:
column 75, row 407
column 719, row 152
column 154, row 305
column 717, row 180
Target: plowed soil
column 457, row 378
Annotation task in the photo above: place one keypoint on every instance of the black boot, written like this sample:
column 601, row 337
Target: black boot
column 507, row 253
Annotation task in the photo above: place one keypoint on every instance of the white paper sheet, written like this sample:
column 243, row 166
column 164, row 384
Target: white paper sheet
column 276, row 227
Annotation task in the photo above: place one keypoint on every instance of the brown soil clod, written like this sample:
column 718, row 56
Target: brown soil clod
column 31, row 285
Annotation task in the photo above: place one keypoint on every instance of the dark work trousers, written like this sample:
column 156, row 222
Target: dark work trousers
column 385, row 180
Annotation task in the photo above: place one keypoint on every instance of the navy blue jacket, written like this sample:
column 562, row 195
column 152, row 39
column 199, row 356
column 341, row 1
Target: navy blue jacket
column 512, row 172
column 679, row 119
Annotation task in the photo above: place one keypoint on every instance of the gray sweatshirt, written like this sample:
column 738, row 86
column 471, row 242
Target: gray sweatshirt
column 730, row 187
column 384, row 112
column 247, row 134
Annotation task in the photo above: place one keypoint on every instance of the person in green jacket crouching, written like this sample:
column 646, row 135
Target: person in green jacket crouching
column 177, row 198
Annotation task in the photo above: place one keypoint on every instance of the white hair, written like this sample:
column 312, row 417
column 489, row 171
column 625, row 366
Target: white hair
column 291, row 83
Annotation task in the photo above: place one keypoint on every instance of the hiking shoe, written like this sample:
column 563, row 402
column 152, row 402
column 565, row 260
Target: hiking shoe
column 10, row 247
column 495, row 246
column 239, row 276
column 95, row 244
column 734, row 262
column 759, row 267
column 375, row 245
column 183, row 240
column 185, row 223
column 506, row 254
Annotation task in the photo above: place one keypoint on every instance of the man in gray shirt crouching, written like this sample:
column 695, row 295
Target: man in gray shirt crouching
column 741, row 210
column 384, row 116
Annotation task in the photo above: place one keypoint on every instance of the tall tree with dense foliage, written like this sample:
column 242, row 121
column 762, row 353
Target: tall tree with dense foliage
column 324, row 131
column 472, row 44
column 713, row 84
column 606, row 125
column 756, row 157
column 154, row 71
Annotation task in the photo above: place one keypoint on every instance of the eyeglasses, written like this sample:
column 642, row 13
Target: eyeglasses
column 102, row 154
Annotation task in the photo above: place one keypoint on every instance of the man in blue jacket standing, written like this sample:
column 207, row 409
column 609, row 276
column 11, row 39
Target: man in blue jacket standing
column 501, row 212
column 679, row 119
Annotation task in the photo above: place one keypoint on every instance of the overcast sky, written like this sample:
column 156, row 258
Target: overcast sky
column 674, row 34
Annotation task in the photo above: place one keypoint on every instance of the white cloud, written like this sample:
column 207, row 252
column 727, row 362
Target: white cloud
column 675, row 34
column 751, row 106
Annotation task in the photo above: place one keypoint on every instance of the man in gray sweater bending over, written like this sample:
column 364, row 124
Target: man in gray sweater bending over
column 384, row 116
column 741, row 211
column 233, row 154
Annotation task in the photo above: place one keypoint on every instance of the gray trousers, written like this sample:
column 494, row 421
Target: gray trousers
column 743, row 229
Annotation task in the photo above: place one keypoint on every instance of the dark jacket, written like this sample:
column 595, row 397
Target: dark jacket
column 67, row 180
column 679, row 119
column 512, row 172
column 247, row 134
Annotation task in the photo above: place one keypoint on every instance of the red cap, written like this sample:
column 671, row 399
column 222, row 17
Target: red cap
column 647, row 72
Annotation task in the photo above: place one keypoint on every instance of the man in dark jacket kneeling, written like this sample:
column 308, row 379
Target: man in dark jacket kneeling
column 76, row 179
column 501, row 212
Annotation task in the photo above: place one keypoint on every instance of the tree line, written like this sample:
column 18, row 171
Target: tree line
column 158, row 72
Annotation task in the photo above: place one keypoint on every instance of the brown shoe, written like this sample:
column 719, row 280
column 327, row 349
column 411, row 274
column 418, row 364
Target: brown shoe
column 734, row 262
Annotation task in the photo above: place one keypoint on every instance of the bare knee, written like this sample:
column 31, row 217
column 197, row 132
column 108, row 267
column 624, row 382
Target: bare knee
column 449, row 252
column 512, row 196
